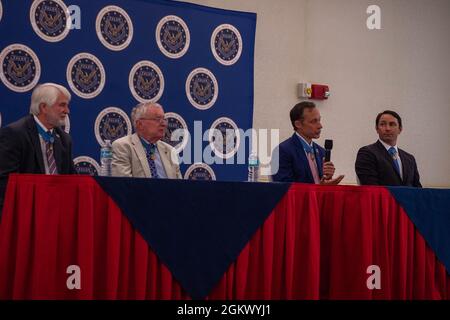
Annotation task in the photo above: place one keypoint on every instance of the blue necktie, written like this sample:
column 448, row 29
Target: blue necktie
column 393, row 152
column 151, row 155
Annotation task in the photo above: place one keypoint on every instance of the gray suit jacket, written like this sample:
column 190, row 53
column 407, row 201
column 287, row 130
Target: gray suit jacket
column 129, row 158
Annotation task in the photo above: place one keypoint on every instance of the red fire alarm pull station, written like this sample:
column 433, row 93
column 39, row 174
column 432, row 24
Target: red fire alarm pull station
column 319, row 91
column 313, row 91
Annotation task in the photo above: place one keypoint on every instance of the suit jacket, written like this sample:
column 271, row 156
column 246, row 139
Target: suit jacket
column 130, row 160
column 20, row 151
column 375, row 166
column 293, row 164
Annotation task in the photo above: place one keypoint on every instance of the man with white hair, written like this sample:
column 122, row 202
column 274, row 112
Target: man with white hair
column 143, row 154
column 36, row 143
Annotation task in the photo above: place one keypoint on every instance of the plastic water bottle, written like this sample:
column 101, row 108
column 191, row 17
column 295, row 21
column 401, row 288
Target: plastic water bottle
column 253, row 167
column 106, row 159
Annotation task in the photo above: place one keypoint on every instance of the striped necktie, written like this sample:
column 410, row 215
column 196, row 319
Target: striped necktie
column 50, row 156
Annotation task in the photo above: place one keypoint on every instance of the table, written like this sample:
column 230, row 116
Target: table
column 309, row 242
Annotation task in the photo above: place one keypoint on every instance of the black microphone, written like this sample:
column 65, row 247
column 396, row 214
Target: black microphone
column 328, row 147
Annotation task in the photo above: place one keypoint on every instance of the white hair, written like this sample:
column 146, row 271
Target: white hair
column 46, row 93
column 140, row 110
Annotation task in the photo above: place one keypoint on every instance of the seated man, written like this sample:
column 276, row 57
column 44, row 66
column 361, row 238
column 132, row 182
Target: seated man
column 143, row 154
column 383, row 163
column 301, row 159
column 36, row 143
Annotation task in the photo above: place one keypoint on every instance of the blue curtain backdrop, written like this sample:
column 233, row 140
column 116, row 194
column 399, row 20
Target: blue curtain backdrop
column 194, row 60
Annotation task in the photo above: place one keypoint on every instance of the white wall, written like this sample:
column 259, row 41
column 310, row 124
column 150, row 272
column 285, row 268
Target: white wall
column 404, row 66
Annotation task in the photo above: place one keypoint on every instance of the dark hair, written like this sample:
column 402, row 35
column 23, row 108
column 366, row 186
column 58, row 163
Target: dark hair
column 299, row 109
column 392, row 113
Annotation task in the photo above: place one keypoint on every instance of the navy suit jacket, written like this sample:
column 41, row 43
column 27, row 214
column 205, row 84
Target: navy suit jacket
column 375, row 166
column 293, row 164
column 20, row 151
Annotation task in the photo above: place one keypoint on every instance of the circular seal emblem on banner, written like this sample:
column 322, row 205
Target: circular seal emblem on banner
column 114, row 28
column 1, row 10
column 177, row 139
column 202, row 88
column 50, row 19
column 86, row 166
column 111, row 124
column 200, row 171
column 226, row 44
column 146, row 82
column 224, row 137
column 173, row 37
column 86, row 75
column 21, row 68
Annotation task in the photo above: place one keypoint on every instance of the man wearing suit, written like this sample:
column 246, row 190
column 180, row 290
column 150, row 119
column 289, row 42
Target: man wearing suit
column 36, row 143
column 383, row 163
column 300, row 159
column 143, row 154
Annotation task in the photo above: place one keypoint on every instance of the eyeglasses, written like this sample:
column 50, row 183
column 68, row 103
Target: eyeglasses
column 159, row 119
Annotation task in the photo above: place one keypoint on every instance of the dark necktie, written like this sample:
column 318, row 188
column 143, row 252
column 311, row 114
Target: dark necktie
column 151, row 155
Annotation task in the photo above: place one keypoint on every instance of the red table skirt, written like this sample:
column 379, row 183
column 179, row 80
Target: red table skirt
column 318, row 243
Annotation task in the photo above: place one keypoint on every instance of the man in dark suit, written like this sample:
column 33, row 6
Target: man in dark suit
column 299, row 158
column 36, row 143
column 383, row 163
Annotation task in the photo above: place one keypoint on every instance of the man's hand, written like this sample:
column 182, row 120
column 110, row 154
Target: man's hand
column 332, row 182
column 328, row 172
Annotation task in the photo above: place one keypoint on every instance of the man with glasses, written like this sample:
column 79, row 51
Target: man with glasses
column 143, row 154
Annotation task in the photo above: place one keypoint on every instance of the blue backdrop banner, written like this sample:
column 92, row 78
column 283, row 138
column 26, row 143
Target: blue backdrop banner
column 196, row 61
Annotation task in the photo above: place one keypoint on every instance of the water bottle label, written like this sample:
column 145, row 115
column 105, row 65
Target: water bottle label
column 106, row 153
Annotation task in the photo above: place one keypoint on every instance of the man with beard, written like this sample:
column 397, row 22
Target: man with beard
column 36, row 143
